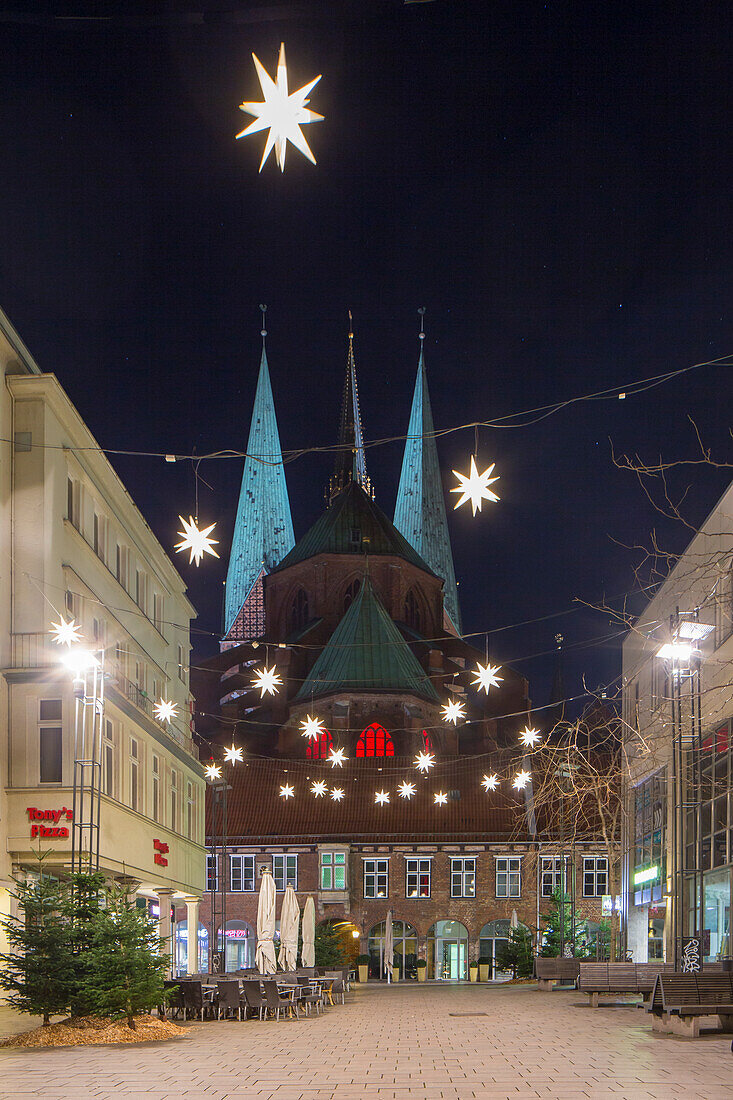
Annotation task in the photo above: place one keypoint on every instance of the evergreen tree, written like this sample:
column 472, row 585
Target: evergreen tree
column 517, row 955
column 329, row 952
column 40, row 973
column 558, row 930
column 124, row 969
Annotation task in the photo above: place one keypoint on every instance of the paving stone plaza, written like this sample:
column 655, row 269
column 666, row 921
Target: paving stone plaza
column 457, row 1042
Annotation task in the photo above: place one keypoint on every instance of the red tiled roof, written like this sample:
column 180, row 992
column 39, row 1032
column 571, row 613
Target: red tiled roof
column 256, row 811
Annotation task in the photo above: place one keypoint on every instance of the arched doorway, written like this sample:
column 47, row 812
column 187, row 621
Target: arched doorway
column 404, row 938
column 240, row 938
column 492, row 937
column 202, row 958
column 337, row 943
column 447, row 944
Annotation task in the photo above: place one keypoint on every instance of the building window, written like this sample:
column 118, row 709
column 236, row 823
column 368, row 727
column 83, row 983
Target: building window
column 174, row 800
column 299, row 610
column 376, row 878
column 98, row 535
column 189, row 810
column 320, row 747
column 73, row 502
column 109, row 758
column 134, row 774
column 333, row 871
column 463, row 878
column 650, row 819
column 158, row 612
column 508, row 877
column 551, row 875
column 285, row 871
column 595, row 876
column 427, row 744
column 181, row 665
column 212, row 873
column 413, row 617
column 724, row 606
column 99, row 633
column 351, row 593
column 140, row 589
column 156, row 788
column 375, row 741
column 50, row 741
column 241, row 874
column 417, row 878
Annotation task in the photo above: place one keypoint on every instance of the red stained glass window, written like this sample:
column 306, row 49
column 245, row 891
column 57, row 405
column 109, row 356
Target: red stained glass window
column 319, row 748
column 375, row 741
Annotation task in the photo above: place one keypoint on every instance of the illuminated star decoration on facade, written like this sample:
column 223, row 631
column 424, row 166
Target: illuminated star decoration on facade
column 381, row 797
column 453, row 711
column 486, row 677
column 267, row 680
column 234, row 755
column 286, row 791
column 529, row 737
column 475, row 487
column 319, row 788
column 213, row 771
column 311, row 727
column 520, row 781
column 165, row 710
column 406, row 790
column 282, row 113
column 490, row 782
column 440, row 799
column 337, row 793
column 336, row 758
column 65, row 633
column 197, row 542
column 424, row 761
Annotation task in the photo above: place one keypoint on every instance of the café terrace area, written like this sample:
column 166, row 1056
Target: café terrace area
column 428, row 1040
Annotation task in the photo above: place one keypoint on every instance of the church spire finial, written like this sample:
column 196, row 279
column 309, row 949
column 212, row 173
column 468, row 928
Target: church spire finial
column 263, row 330
column 350, row 457
column 422, row 311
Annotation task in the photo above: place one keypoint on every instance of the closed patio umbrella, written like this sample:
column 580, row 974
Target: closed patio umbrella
column 308, row 952
column 388, row 946
column 289, row 922
column 514, row 922
column 265, row 954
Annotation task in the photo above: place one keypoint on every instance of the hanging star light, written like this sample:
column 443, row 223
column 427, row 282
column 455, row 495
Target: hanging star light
column 165, row 710
column 267, row 680
column 486, row 677
column 197, row 542
column 65, row 633
column 286, row 791
column 381, row 797
column 406, row 790
column 424, row 761
column 529, row 737
column 337, row 793
column 319, row 788
column 234, row 755
column 213, row 771
column 475, row 486
column 336, row 758
column 452, row 711
column 490, row 782
column 440, row 799
column 520, row 781
column 311, row 727
column 282, row 113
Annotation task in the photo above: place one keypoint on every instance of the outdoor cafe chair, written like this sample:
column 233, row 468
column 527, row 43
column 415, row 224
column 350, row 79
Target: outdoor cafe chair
column 254, row 998
column 310, row 994
column 337, row 986
column 194, row 999
column 227, row 998
column 174, row 1002
column 277, row 1000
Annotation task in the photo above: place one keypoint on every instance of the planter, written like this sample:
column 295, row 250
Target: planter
column 473, row 973
column 421, row 972
column 395, row 974
column 483, row 972
column 363, row 973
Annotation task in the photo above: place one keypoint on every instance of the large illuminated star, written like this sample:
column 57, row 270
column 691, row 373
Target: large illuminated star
column 406, row 790
column 197, row 542
column 336, row 758
column 337, row 794
column 267, row 680
column 440, row 799
column 213, row 771
column 311, row 727
column 520, row 781
column 234, row 755
column 319, row 788
column 424, row 761
column 165, row 710
column 486, row 677
column 286, row 791
column 529, row 737
column 282, row 113
column 452, row 711
column 65, row 633
column 475, row 486
column 490, row 782
column 381, row 797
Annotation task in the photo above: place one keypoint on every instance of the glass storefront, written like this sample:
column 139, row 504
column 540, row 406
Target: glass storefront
column 404, row 939
column 182, row 948
column 492, row 937
column 716, row 888
column 241, row 942
column 447, row 950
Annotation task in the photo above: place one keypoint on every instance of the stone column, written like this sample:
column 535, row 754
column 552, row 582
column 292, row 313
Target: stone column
column 164, row 927
column 192, row 926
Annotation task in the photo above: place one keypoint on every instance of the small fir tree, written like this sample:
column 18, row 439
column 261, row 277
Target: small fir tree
column 124, row 971
column 327, row 943
column 558, row 930
column 517, row 954
column 40, row 974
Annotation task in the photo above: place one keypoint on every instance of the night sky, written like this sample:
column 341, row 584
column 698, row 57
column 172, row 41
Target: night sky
column 552, row 181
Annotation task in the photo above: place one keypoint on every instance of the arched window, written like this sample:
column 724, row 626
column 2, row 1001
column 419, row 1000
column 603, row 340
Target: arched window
column 375, row 741
column 447, row 950
column 493, row 938
column 413, row 618
column 427, row 743
column 240, row 945
column 299, row 610
column 202, row 957
column 404, row 945
column 318, row 748
column 350, row 593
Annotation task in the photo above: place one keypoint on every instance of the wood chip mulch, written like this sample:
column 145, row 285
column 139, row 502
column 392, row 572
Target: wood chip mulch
column 80, row 1031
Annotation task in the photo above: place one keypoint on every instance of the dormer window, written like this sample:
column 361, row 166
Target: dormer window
column 355, row 538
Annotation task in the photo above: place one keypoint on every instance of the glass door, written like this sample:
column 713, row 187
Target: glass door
column 454, row 960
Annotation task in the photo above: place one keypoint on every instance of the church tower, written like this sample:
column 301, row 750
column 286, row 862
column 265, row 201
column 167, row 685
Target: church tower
column 263, row 531
column 420, row 509
column 350, row 458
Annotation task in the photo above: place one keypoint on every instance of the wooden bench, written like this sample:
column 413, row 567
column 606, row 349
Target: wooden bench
column 680, row 1001
column 598, row 978
column 549, row 971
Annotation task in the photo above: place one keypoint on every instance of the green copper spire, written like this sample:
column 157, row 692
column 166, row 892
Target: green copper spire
column 263, row 532
column 420, row 509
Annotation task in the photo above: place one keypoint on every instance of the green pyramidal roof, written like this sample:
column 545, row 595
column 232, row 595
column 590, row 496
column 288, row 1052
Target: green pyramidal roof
column 366, row 652
column 353, row 524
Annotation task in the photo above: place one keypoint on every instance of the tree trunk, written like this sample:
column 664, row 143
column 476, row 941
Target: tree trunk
column 46, row 1019
column 131, row 1023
